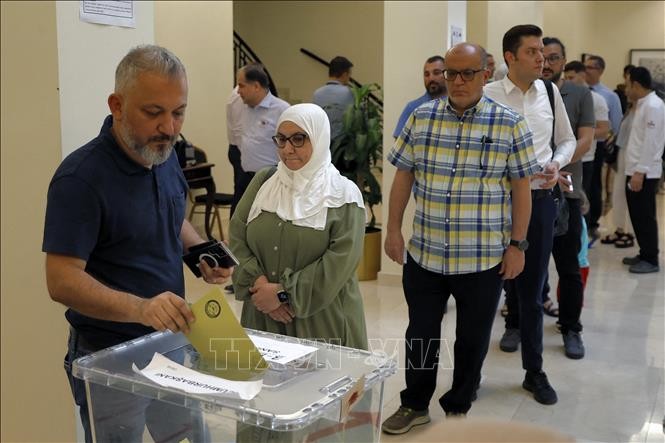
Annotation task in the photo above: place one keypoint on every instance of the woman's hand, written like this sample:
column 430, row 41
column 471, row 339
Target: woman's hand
column 264, row 296
column 283, row 314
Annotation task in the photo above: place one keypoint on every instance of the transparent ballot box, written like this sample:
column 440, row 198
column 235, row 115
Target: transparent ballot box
column 303, row 401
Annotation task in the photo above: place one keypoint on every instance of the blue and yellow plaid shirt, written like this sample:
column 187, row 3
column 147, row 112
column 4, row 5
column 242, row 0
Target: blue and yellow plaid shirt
column 462, row 166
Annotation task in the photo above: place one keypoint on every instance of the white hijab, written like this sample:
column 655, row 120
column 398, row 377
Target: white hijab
column 304, row 196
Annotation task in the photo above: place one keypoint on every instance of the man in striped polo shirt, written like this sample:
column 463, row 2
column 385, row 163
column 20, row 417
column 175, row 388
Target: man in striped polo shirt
column 468, row 161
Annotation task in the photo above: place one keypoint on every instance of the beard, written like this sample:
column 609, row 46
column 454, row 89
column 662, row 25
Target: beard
column 153, row 156
column 434, row 88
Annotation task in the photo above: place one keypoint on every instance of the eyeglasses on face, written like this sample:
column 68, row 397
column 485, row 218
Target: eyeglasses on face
column 297, row 140
column 467, row 74
column 553, row 58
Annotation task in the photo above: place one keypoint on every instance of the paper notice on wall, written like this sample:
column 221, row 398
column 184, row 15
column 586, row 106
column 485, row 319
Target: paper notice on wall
column 115, row 13
column 455, row 35
column 166, row 372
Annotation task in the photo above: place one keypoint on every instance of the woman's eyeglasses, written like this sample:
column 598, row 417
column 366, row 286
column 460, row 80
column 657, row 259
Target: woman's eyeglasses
column 297, row 140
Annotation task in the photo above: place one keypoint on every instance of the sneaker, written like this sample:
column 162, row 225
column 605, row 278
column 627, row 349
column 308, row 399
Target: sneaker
column 404, row 419
column 573, row 346
column 643, row 267
column 631, row 260
column 536, row 382
column 510, row 341
column 228, row 289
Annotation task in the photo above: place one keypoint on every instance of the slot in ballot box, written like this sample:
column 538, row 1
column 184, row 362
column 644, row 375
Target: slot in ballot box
column 303, row 401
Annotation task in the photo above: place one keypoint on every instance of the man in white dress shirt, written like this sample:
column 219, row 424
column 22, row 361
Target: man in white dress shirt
column 554, row 145
column 644, row 154
column 259, row 122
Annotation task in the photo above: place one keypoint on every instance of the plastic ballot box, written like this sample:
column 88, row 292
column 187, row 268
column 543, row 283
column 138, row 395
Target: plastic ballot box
column 332, row 394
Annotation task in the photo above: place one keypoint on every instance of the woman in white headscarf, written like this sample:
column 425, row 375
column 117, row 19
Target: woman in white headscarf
column 298, row 234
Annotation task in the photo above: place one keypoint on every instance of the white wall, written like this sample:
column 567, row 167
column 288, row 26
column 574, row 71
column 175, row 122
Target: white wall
column 87, row 57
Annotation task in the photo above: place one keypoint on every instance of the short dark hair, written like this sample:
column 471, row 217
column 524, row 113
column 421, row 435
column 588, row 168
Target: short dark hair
column 598, row 60
column 554, row 40
column 575, row 65
column 435, row 58
column 513, row 38
column 642, row 76
column 627, row 69
column 338, row 66
column 254, row 72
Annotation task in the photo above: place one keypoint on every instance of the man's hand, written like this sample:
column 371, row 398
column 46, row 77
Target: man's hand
column 566, row 181
column 216, row 275
column 264, row 297
column 512, row 264
column 549, row 175
column 394, row 246
column 636, row 182
column 166, row 311
column 283, row 314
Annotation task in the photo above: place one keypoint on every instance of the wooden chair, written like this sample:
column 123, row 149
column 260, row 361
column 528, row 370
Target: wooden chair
column 221, row 200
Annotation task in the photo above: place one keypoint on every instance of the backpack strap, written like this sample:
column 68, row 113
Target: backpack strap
column 550, row 96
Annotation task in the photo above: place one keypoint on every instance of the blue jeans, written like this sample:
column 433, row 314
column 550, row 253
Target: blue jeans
column 122, row 417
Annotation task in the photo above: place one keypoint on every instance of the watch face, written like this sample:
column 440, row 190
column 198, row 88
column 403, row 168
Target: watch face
column 283, row 296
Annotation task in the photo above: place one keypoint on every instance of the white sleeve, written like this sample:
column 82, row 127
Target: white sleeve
column 600, row 110
column 654, row 137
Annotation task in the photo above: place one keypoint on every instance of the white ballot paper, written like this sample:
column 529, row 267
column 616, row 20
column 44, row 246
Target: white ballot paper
column 280, row 352
column 166, row 372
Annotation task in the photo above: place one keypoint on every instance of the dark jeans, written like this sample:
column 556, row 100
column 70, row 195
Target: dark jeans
column 642, row 210
column 234, row 159
column 565, row 250
column 594, row 187
column 122, row 417
column 476, row 296
column 524, row 294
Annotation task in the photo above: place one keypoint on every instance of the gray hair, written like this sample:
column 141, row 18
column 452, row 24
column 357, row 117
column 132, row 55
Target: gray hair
column 147, row 58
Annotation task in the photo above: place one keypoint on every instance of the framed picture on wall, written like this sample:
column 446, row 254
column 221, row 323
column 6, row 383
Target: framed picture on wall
column 654, row 61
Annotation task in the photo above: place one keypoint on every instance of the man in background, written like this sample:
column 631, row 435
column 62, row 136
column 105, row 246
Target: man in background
column 335, row 96
column 435, row 87
column 259, row 123
column 644, row 154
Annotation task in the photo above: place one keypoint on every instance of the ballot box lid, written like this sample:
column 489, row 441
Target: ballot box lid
column 292, row 396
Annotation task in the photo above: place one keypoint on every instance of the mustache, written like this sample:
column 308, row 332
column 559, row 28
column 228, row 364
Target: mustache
column 163, row 138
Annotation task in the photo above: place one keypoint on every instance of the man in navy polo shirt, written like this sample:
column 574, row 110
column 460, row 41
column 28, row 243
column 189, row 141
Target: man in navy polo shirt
column 115, row 233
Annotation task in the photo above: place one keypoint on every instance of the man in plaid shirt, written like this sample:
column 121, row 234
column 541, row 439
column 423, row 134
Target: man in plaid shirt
column 468, row 161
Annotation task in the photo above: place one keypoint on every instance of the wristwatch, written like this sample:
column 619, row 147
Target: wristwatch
column 283, row 296
column 522, row 245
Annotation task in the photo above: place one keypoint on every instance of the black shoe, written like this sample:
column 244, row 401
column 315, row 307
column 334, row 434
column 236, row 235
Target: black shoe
column 573, row 345
column 536, row 382
column 228, row 289
column 631, row 260
column 451, row 414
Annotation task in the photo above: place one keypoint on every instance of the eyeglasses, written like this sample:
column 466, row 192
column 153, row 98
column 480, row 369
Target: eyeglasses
column 553, row 58
column 297, row 140
column 467, row 74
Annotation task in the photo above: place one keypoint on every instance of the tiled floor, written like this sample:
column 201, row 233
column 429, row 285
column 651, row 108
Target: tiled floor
column 614, row 394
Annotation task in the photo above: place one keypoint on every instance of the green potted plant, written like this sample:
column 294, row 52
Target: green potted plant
column 357, row 153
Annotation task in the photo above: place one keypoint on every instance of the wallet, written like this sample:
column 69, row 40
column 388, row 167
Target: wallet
column 213, row 252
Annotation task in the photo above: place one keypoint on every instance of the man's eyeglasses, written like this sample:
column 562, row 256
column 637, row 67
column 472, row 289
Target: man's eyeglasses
column 467, row 74
column 553, row 58
column 297, row 140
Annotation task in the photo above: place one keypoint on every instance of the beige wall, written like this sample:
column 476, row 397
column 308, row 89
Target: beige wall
column 612, row 30
column 35, row 395
column 201, row 34
column 87, row 57
column 405, row 49
column 607, row 28
column 277, row 30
